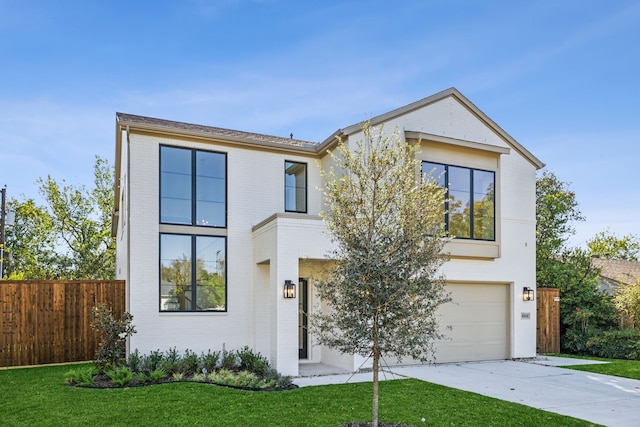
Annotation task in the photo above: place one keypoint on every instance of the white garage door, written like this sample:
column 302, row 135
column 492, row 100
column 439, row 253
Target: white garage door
column 479, row 320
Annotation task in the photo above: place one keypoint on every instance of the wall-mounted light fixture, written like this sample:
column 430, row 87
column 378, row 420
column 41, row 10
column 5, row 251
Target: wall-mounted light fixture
column 289, row 289
column 527, row 294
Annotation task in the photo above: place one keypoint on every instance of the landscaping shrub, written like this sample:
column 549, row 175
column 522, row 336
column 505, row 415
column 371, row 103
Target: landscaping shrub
column 282, row 381
column 575, row 340
column 142, row 377
column 152, row 361
column 253, row 362
column 113, row 336
column 157, row 375
column 120, row 376
column 616, row 344
column 243, row 368
column 209, row 362
column 81, row 376
column 189, row 363
column 582, row 325
column 134, row 361
column 171, row 361
column 199, row 377
column 229, row 360
column 583, row 338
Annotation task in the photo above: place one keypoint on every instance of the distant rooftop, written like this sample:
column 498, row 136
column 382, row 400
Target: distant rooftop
column 618, row 269
column 616, row 272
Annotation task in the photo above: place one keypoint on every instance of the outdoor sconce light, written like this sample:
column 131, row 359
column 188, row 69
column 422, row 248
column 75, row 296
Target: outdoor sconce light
column 289, row 289
column 527, row 294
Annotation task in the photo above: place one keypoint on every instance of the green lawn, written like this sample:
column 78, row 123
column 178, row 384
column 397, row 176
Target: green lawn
column 38, row 396
column 618, row 368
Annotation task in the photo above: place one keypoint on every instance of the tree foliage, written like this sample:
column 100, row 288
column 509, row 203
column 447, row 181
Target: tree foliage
column 69, row 237
column 627, row 301
column 30, row 242
column 576, row 277
column 583, row 308
column 556, row 210
column 606, row 244
column 387, row 224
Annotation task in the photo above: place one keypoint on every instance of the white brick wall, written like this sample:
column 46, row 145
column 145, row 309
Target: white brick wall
column 258, row 262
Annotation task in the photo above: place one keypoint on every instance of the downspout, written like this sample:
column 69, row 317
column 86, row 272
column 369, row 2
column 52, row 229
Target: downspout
column 127, row 210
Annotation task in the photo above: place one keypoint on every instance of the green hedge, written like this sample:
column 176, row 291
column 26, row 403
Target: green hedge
column 612, row 344
column 616, row 344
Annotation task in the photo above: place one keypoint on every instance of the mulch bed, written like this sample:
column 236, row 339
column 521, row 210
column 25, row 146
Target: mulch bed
column 103, row 381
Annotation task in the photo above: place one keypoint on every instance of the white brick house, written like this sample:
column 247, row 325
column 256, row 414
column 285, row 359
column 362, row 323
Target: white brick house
column 245, row 207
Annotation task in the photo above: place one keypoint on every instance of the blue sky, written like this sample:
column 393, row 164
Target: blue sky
column 562, row 77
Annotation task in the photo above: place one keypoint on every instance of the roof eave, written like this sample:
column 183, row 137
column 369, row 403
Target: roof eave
column 132, row 126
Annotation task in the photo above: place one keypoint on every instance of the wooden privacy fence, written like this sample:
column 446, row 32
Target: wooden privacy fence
column 44, row 321
column 548, row 320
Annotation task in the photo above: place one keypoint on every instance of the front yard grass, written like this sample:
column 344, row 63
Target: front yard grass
column 616, row 367
column 39, row 397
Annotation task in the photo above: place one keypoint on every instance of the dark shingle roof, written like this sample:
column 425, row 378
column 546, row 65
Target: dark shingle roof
column 210, row 131
column 618, row 269
column 615, row 273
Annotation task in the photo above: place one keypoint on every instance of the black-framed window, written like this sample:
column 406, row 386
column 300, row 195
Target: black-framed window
column 469, row 199
column 192, row 273
column 193, row 187
column 295, row 187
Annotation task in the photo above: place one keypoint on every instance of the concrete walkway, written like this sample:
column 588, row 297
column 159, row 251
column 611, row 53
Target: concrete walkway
column 539, row 383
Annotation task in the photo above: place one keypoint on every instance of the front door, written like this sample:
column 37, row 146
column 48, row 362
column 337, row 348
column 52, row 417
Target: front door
column 303, row 320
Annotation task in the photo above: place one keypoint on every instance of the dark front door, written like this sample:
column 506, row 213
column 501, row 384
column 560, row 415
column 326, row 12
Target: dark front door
column 303, row 320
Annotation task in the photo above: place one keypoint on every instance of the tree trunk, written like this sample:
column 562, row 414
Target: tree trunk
column 376, row 363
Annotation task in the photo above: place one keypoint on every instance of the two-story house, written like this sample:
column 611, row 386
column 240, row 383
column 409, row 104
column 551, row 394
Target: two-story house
column 218, row 233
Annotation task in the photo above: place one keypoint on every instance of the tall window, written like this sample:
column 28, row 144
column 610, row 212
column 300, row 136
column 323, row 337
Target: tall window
column 469, row 199
column 295, row 187
column 192, row 187
column 192, row 273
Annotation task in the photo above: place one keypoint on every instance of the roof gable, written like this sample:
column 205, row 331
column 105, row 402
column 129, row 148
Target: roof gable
column 464, row 103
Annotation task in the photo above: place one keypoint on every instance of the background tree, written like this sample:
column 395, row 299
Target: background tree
column 383, row 289
column 69, row 237
column 606, row 244
column 30, row 242
column 556, row 210
column 583, row 308
column 627, row 302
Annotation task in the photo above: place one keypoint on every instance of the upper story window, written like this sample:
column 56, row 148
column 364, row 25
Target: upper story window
column 295, row 187
column 193, row 187
column 469, row 200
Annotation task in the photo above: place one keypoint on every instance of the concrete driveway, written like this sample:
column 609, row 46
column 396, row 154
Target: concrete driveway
column 539, row 383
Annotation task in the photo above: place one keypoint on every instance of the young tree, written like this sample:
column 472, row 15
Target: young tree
column 387, row 223
column 606, row 244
